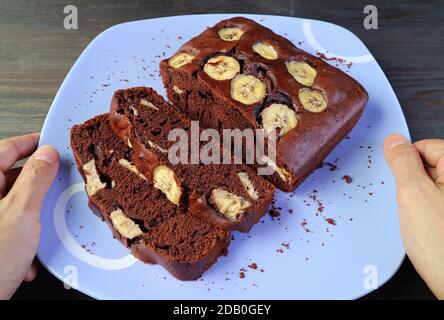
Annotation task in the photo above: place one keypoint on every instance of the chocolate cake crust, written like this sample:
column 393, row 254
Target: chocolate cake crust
column 201, row 97
column 147, row 130
column 160, row 231
column 143, row 120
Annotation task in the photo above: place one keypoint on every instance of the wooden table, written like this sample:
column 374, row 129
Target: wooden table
column 36, row 52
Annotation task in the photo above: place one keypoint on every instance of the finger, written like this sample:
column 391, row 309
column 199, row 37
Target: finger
column 34, row 180
column 404, row 161
column 432, row 173
column 440, row 171
column 431, row 150
column 32, row 272
column 16, row 148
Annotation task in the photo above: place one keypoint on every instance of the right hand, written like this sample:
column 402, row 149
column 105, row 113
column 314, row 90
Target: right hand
column 419, row 173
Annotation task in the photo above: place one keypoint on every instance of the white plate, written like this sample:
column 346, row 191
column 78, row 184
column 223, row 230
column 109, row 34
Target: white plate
column 347, row 260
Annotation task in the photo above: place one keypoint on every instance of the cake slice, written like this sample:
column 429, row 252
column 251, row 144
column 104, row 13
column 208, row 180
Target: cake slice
column 231, row 196
column 139, row 215
column 240, row 74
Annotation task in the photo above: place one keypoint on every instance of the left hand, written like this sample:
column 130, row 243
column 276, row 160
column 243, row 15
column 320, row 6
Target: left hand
column 21, row 195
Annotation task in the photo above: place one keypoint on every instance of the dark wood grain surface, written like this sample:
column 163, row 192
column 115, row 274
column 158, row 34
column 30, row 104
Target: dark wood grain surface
column 36, row 52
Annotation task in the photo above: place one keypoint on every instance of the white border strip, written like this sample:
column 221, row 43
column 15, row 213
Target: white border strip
column 73, row 246
column 309, row 36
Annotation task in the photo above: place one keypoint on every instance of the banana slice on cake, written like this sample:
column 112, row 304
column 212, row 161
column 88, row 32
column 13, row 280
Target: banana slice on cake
column 124, row 225
column 265, row 50
column 180, row 60
column 222, row 68
column 302, row 72
column 164, row 180
column 312, row 100
column 230, row 33
column 278, row 116
column 247, row 89
column 229, row 204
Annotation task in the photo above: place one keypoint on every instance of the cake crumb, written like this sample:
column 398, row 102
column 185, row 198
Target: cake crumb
column 348, row 179
column 274, row 213
column 253, row 266
column 304, row 226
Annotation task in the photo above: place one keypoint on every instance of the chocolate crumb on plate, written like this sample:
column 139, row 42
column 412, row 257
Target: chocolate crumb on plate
column 348, row 179
column 253, row 266
column 274, row 213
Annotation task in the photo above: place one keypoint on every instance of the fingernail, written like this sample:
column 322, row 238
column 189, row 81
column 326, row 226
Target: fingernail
column 47, row 153
column 396, row 141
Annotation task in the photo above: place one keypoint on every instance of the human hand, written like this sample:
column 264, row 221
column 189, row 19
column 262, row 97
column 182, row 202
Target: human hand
column 418, row 169
column 21, row 195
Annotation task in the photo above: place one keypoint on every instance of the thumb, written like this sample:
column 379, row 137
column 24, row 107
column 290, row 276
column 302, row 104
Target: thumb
column 35, row 178
column 404, row 160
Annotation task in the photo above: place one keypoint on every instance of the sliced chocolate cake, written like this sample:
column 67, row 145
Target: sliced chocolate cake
column 138, row 213
column 230, row 196
column 240, row 74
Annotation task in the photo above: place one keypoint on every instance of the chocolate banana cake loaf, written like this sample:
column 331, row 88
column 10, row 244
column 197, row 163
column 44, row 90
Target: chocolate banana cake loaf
column 231, row 196
column 138, row 213
column 240, row 74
